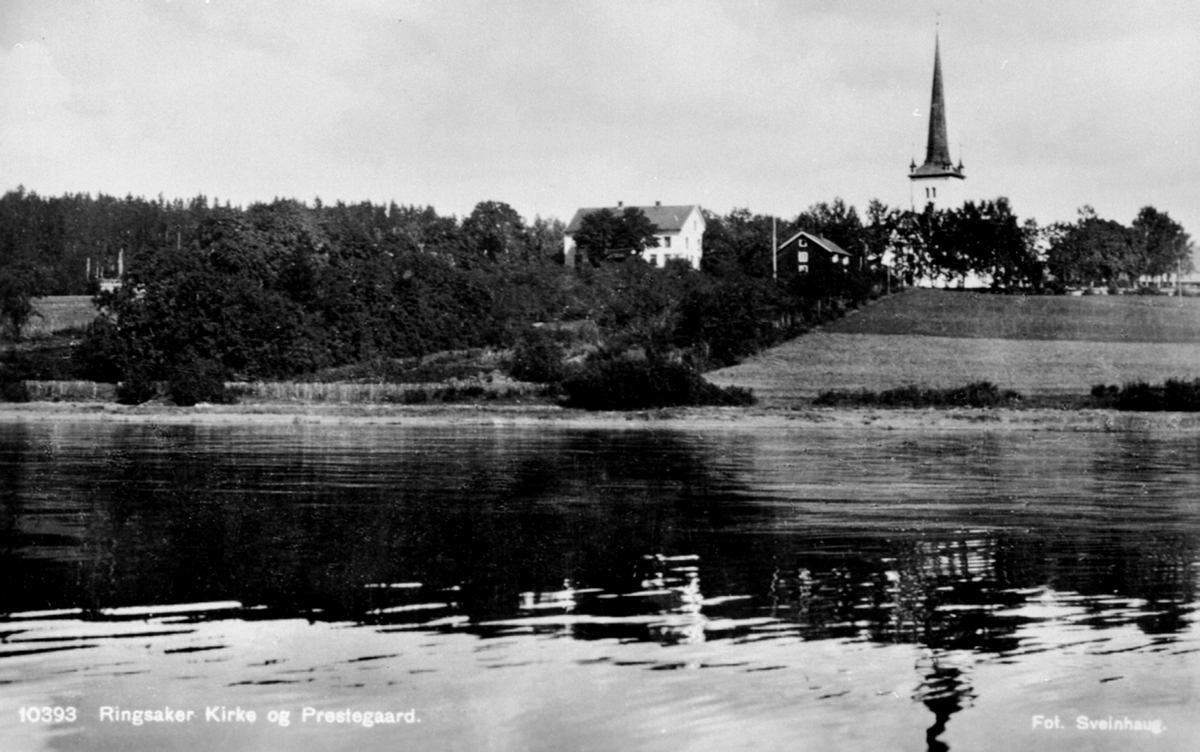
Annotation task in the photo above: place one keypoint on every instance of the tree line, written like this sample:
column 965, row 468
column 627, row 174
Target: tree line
column 280, row 289
column 283, row 289
column 984, row 239
column 1095, row 251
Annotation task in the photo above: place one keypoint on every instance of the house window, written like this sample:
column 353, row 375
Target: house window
column 687, row 242
column 666, row 242
column 934, row 192
column 802, row 257
column 654, row 259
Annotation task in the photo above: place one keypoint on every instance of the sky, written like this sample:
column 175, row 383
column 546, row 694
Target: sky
column 549, row 105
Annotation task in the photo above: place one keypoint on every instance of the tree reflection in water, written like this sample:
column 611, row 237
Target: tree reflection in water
column 945, row 691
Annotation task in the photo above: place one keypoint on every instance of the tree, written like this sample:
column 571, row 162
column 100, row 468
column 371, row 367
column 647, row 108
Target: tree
column 421, row 229
column 837, row 222
column 738, row 243
column 606, row 236
column 544, row 240
column 916, row 235
column 879, row 234
column 20, row 283
column 1095, row 250
column 495, row 229
column 1167, row 247
column 986, row 239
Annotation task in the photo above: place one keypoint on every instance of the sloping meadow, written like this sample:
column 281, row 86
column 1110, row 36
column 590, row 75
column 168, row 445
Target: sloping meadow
column 1037, row 346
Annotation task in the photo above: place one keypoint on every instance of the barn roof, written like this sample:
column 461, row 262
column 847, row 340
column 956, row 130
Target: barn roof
column 828, row 245
column 665, row 218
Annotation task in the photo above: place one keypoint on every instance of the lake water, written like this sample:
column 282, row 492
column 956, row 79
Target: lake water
column 549, row 588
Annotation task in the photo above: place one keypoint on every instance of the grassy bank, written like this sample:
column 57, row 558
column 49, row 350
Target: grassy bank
column 1101, row 318
column 943, row 340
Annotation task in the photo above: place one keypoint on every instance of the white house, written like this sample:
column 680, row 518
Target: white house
column 680, row 232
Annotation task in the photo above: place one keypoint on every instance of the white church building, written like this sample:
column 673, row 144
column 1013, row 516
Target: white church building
column 938, row 182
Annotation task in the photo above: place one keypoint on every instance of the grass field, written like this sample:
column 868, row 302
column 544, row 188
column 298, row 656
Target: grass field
column 1100, row 318
column 1039, row 346
column 59, row 312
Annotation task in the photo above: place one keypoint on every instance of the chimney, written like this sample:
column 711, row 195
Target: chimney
column 620, row 204
column 658, row 203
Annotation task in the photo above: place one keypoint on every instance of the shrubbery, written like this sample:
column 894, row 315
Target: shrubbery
column 99, row 355
column 976, row 394
column 622, row 383
column 1174, row 395
column 136, row 388
column 14, row 370
column 201, row 380
column 12, row 389
column 538, row 358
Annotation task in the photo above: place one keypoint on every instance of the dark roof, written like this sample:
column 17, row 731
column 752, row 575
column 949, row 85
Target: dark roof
column 828, row 245
column 665, row 218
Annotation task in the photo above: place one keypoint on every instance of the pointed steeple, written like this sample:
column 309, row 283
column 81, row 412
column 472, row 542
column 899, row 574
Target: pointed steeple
column 937, row 148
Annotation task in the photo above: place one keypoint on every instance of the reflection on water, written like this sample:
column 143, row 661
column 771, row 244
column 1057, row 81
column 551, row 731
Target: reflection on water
column 561, row 589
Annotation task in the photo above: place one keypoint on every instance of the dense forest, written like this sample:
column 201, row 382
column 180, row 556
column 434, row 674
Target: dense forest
column 277, row 290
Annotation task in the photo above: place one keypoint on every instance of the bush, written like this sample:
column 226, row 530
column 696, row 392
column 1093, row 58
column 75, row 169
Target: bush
column 471, row 391
column 136, row 389
column 98, row 355
column 1183, row 396
column 976, row 394
column 15, row 368
column 1105, row 396
column 538, row 358
column 198, row 381
column 1055, row 287
column 1141, row 397
column 979, row 394
column 13, row 390
column 415, row 397
column 1174, row 395
column 628, row 384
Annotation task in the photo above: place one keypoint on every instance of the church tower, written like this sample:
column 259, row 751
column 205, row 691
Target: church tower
column 937, row 181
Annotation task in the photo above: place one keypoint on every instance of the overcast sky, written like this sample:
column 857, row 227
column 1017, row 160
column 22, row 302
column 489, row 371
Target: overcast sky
column 548, row 106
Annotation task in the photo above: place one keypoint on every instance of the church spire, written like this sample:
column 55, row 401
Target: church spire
column 937, row 149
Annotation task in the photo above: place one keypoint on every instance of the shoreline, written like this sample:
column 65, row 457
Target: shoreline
column 690, row 418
